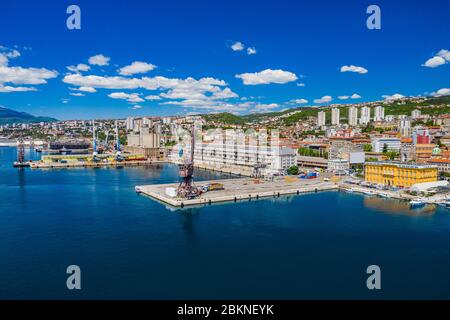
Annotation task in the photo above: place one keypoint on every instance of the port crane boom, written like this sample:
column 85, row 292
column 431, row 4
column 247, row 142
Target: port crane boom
column 187, row 189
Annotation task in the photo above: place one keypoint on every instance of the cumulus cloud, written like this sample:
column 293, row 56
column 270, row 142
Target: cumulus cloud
column 85, row 89
column 442, row 57
column 261, row 107
column 355, row 96
column 267, row 76
column 77, row 94
column 396, row 96
column 343, row 97
column 99, row 60
column 135, row 107
column 300, row 84
column 7, row 89
column 185, row 92
column 441, row 92
column 324, row 99
column 79, row 67
column 153, row 97
column 19, row 75
column 353, row 68
column 237, row 46
column 300, row 101
column 434, row 62
column 136, row 67
column 130, row 97
column 444, row 54
column 251, row 50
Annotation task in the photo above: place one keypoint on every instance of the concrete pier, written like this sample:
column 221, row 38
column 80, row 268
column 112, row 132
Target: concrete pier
column 239, row 189
column 85, row 164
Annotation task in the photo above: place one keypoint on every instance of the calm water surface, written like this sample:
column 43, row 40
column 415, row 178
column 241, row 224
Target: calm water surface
column 128, row 246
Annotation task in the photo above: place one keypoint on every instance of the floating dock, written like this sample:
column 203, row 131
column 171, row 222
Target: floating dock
column 238, row 189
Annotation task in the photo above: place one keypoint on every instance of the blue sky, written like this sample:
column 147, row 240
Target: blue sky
column 185, row 57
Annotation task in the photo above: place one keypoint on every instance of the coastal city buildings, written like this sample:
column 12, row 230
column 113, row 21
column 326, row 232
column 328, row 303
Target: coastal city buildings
column 365, row 116
column 335, row 116
column 378, row 113
column 399, row 174
column 382, row 144
column 321, row 118
column 353, row 116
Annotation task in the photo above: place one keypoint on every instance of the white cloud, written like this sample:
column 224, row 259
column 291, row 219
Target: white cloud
column 265, row 107
column 19, row 75
column 444, row 54
column 441, row 92
column 7, row 89
column 130, row 97
column 434, row 62
column 153, row 97
column 79, row 67
column 300, row 101
column 86, row 89
column 3, row 60
column 343, row 97
column 355, row 96
column 324, row 99
column 77, row 94
column 136, row 67
column 65, row 101
column 442, row 57
column 251, row 50
column 99, row 60
column 238, row 46
column 136, row 107
column 300, row 84
column 353, row 68
column 393, row 97
column 267, row 76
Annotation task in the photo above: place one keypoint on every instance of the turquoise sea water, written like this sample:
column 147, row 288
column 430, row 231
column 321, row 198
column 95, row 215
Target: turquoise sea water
column 128, row 246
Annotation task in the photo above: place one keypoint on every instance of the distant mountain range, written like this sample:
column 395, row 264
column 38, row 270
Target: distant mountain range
column 8, row 116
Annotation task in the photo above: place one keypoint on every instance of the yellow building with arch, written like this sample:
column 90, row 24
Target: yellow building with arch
column 398, row 174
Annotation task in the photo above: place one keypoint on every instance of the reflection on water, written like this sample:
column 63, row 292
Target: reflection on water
column 393, row 206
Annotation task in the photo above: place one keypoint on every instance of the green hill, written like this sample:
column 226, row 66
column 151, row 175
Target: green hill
column 8, row 116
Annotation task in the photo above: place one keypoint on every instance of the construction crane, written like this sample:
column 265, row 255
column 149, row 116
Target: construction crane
column 94, row 143
column 187, row 189
column 119, row 156
column 20, row 163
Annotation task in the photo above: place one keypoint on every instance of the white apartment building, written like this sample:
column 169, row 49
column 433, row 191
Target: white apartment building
column 335, row 116
column 353, row 116
column 365, row 116
column 321, row 118
column 244, row 157
column 378, row 113
column 416, row 114
column 404, row 126
column 130, row 123
column 393, row 144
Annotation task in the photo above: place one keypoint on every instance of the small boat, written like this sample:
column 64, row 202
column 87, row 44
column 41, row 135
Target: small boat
column 349, row 190
column 368, row 192
column 384, row 195
column 417, row 203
